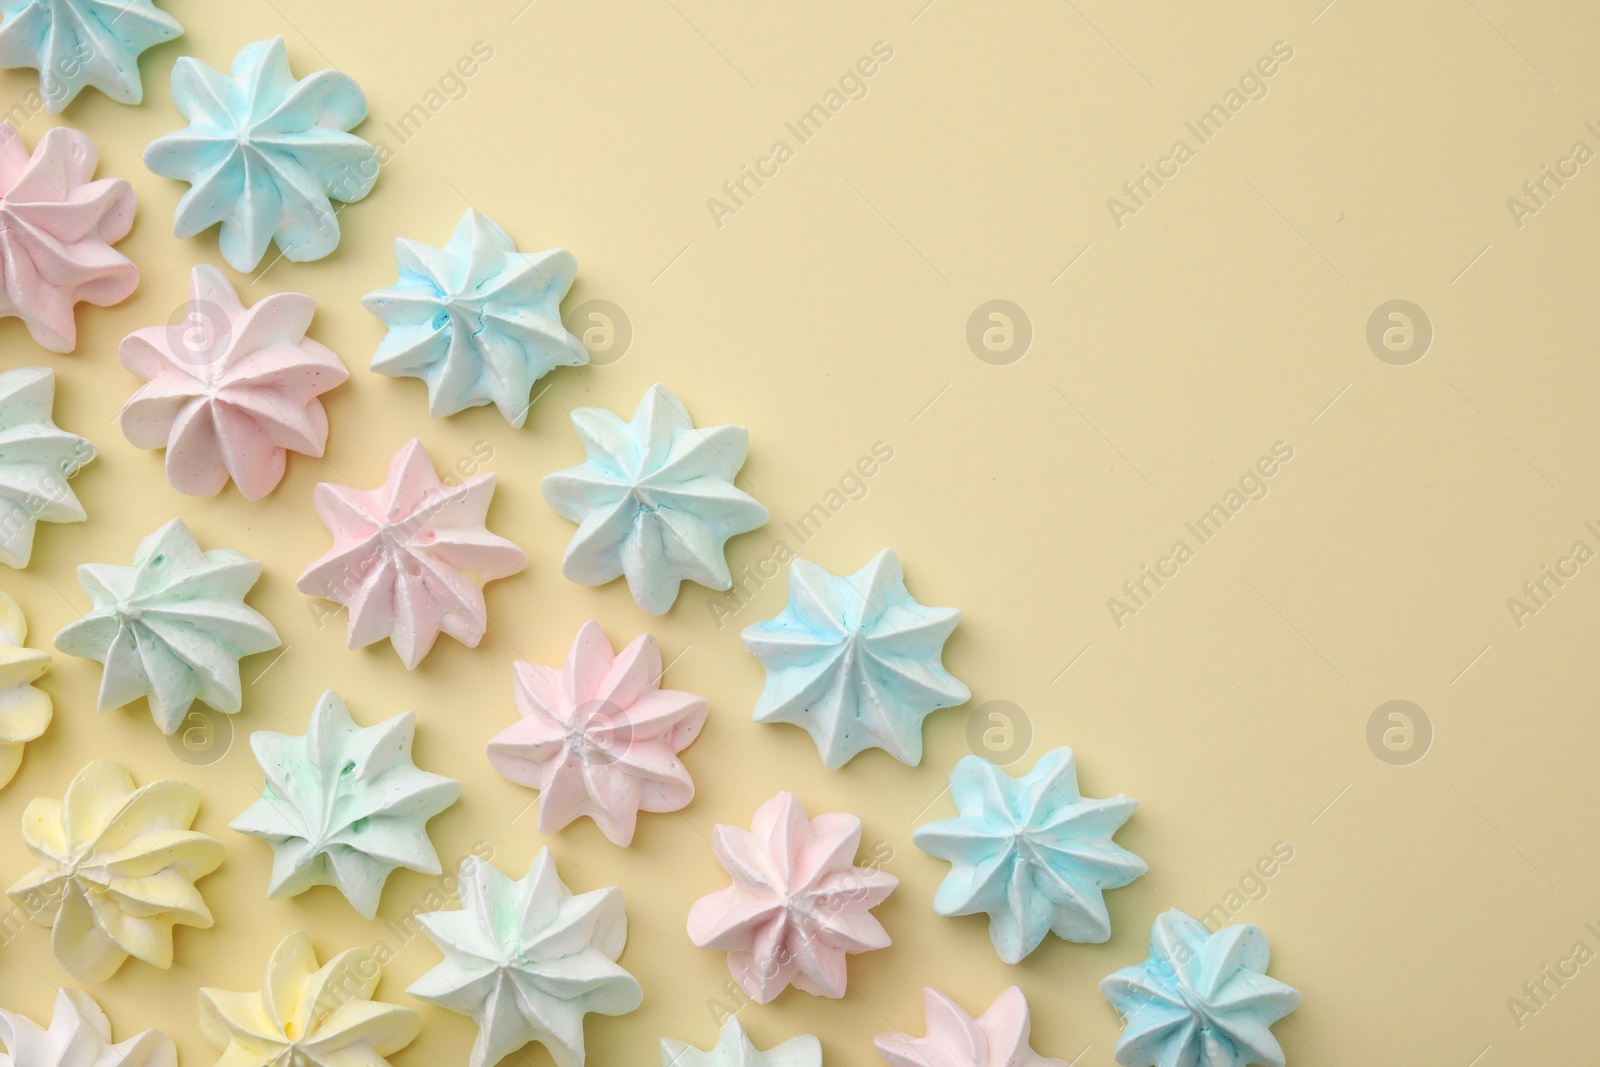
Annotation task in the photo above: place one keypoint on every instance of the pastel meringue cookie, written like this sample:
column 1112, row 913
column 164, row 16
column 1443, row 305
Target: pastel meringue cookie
column 855, row 661
column 410, row 557
column 231, row 389
column 172, row 627
column 999, row 1038
column 79, row 1035
column 265, row 154
column 25, row 709
column 344, row 805
column 1201, row 999
column 36, row 459
column 600, row 737
column 57, row 227
column 1032, row 853
column 797, row 906
column 655, row 500
column 735, row 1049
column 117, row 867
column 306, row 1013
column 476, row 320
column 527, row 960
column 74, row 44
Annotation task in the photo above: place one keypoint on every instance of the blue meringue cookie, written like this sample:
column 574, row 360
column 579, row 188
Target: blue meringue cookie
column 1200, row 999
column 78, row 43
column 655, row 500
column 855, row 661
column 477, row 320
column 265, row 155
column 1031, row 852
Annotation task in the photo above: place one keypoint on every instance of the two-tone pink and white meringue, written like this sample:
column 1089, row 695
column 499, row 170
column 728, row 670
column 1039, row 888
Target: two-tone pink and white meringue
column 997, row 1038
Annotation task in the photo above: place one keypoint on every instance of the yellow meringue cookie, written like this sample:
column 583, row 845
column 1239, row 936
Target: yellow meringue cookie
column 305, row 1014
column 24, row 710
column 117, row 867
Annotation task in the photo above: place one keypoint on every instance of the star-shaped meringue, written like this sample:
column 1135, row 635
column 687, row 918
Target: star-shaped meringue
column 956, row 1039
column 36, row 459
column 265, row 154
column 172, row 627
column 600, row 737
column 409, row 558
column 654, row 501
column 56, row 232
column 526, row 960
column 735, row 1049
column 477, row 320
column 24, row 708
column 1200, row 999
column 79, row 1036
column 74, row 43
column 797, row 906
column 230, row 389
column 307, row 1015
column 117, row 867
column 344, row 805
column 1031, row 852
column 855, row 661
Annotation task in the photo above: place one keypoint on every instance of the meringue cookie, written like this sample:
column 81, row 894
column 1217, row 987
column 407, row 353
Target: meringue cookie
column 654, row 501
column 527, row 960
column 264, row 153
column 172, row 627
column 79, row 1036
column 75, row 43
column 1032, row 852
column 855, row 661
column 24, row 709
column 956, row 1039
column 477, row 320
column 797, row 906
column 344, row 806
column 735, row 1049
column 600, row 737
column 1201, row 999
column 409, row 558
column 230, row 389
column 117, row 867
column 306, row 1014
column 56, row 232
column 36, row 459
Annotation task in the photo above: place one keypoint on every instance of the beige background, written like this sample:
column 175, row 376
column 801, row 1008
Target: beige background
column 829, row 313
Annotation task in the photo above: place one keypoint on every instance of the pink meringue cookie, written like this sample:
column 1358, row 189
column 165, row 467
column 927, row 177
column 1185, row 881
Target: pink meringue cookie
column 955, row 1039
column 600, row 737
column 231, row 389
column 56, row 232
column 797, row 905
column 409, row 557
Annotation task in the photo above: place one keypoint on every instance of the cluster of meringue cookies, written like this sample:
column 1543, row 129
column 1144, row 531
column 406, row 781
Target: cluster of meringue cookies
column 853, row 660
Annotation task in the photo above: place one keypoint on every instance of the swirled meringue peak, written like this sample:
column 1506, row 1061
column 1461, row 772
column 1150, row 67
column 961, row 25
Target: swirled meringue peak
column 476, row 320
column 410, row 557
column 306, row 1014
column 527, row 960
column 735, row 1049
column 798, row 905
column 172, row 627
column 117, row 867
column 231, row 389
column 1202, row 999
column 78, row 43
column 955, row 1039
column 265, row 154
column 25, row 709
column 79, row 1036
column 36, row 459
column 855, row 661
column 1031, row 852
column 344, row 805
column 600, row 737
column 56, row 232
column 655, row 500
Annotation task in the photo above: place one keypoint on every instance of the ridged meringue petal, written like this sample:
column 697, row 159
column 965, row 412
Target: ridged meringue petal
column 79, row 1035
column 735, row 1049
column 78, row 43
column 955, row 1039
column 25, row 709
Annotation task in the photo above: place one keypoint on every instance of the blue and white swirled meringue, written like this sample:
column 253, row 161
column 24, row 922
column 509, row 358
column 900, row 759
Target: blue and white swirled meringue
column 74, row 44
